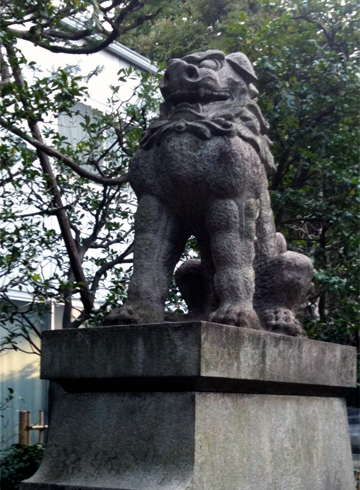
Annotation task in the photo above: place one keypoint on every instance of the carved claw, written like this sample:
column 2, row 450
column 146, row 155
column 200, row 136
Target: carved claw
column 235, row 314
column 281, row 320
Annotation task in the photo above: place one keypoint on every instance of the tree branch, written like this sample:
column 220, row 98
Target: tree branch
column 63, row 220
column 46, row 212
column 54, row 36
column 9, row 179
column 77, row 235
column 51, row 152
column 99, row 223
column 110, row 265
column 68, row 36
column 107, row 243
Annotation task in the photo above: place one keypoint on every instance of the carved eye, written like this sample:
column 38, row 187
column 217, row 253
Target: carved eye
column 211, row 64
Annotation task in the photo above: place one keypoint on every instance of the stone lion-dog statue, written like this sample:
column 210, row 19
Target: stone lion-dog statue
column 202, row 171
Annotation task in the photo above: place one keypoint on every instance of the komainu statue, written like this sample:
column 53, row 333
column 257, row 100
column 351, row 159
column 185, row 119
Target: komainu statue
column 202, row 170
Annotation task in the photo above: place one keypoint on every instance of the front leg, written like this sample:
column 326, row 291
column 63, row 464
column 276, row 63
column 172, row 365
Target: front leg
column 232, row 233
column 159, row 241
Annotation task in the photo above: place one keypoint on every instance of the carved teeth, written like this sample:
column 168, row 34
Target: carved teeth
column 214, row 94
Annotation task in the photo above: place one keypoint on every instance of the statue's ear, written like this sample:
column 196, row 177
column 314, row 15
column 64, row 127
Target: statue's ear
column 243, row 67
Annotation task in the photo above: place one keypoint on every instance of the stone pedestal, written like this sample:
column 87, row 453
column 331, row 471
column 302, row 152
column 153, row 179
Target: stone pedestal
column 195, row 406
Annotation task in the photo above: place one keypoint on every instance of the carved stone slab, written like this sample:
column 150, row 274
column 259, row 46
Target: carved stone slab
column 195, row 355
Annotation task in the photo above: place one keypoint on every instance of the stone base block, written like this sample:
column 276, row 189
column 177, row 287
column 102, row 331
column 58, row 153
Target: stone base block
column 195, row 441
column 195, row 406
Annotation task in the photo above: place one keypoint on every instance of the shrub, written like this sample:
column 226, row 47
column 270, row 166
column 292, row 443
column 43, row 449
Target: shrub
column 18, row 463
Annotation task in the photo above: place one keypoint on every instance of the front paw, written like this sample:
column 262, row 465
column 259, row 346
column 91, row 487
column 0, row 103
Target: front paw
column 235, row 314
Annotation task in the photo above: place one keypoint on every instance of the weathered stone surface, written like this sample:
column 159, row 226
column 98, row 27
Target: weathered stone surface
column 200, row 356
column 179, row 427
column 262, row 442
column 202, row 170
column 119, row 441
column 195, row 441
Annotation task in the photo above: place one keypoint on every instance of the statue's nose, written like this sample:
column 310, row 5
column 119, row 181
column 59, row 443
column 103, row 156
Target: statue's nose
column 179, row 70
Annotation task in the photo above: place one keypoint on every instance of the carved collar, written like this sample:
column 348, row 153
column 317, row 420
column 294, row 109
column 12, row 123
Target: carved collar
column 228, row 121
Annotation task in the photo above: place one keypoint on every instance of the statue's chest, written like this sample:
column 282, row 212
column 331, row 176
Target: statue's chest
column 186, row 167
column 189, row 157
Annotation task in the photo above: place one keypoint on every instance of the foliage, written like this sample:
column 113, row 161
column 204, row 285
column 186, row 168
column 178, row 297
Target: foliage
column 74, row 27
column 306, row 58
column 6, row 404
column 185, row 26
column 18, row 463
column 67, row 211
column 100, row 216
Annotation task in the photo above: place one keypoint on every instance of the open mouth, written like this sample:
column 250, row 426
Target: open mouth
column 202, row 95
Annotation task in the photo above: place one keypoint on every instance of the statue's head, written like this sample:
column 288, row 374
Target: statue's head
column 208, row 77
column 210, row 94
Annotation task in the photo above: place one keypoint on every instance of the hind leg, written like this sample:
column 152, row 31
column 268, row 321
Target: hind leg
column 282, row 278
column 160, row 239
column 281, row 287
